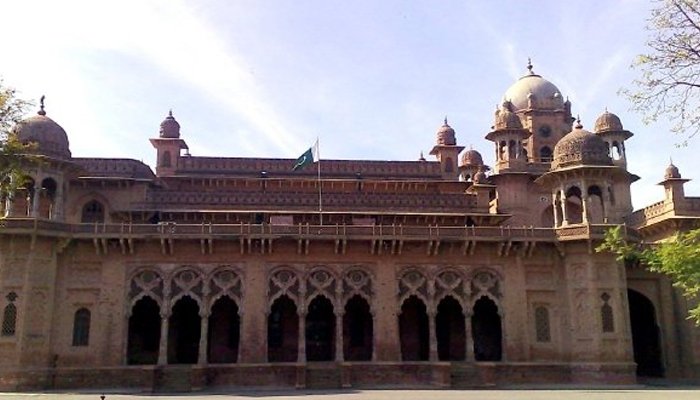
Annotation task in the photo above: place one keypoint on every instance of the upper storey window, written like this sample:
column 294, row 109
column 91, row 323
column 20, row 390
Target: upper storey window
column 93, row 211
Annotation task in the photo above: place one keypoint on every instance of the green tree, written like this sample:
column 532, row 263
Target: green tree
column 669, row 85
column 14, row 157
column 679, row 258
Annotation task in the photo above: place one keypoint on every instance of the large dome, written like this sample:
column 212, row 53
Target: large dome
column 533, row 91
column 580, row 147
column 50, row 138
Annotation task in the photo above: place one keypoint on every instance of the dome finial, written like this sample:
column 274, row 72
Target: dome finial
column 445, row 119
column 170, row 113
column 529, row 66
column 421, row 158
column 41, row 105
column 578, row 122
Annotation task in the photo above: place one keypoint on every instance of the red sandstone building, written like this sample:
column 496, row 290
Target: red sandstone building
column 220, row 271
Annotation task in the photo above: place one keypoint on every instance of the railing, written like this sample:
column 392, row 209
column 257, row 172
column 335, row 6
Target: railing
column 429, row 232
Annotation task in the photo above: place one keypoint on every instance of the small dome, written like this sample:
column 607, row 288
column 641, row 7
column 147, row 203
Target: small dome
column 506, row 119
column 446, row 135
column 533, row 91
column 50, row 138
column 608, row 122
column 170, row 128
column 472, row 157
column 672, row 172
column 580, row 147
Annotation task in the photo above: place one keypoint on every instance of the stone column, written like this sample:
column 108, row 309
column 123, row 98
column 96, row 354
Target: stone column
column 301, row 357
column 339, row 354
column 163, row 345
column 34, row 212
column 606, row 203
column 204, row 338
column 57, row 209
column 7, row 212
column 432, row 338
column 468, row 339
column 584, row 208
column 564, row 220
column 504, row 342
column 555, row 210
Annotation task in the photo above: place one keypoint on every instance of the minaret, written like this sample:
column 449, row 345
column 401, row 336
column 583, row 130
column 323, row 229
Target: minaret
column 168, row 146
column 446, row 151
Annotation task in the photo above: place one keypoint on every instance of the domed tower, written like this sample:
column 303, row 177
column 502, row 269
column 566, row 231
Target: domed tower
column 446, row 151
column 673, row 187
column 543, row 112
column 43, row 193
column 586, row 187
column 471, row 162
column 168, row 146
column 609, row 127
column 508, row 135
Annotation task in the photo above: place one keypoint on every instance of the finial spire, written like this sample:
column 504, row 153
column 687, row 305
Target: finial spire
column 445, row 119
column 170, row 113
column 421, row 158
column 41, row 105
column 529, row 66
column 578, row 122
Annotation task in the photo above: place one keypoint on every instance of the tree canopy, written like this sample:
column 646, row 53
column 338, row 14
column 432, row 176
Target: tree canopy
column 13, row 153
column 679, row 258
column 669, row 85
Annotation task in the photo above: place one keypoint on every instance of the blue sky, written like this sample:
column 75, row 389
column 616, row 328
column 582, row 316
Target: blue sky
column 372, row 79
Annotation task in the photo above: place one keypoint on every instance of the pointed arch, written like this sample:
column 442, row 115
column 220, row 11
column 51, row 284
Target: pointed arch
column 487, row 330
column 450, row 330
column 358, row 330
column 143, row 337
column 184, row 330
column 92, row 212
column 282, row 330
column 224, row 331
column 81, row 327
column 414, row 329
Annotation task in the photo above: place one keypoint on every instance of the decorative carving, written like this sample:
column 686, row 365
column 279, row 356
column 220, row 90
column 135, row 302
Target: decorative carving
column 320, row 282
column 413, row 282
column 450, row 283
column 284, row 281
column 357, row 282
column 225, row 281
column 147, row 282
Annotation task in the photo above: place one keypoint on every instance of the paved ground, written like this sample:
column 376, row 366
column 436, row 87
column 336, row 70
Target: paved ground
column 616, row 393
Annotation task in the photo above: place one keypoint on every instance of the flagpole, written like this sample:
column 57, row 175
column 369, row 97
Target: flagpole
column 320, row 197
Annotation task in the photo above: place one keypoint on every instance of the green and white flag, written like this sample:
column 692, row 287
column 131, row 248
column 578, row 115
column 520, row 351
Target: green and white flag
column 310, row 156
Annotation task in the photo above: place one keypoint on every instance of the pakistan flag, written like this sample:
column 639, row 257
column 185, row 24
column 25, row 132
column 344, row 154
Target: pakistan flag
column 309, row 157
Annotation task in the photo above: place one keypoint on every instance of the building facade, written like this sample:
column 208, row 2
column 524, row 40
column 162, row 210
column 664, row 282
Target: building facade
column 217, row 271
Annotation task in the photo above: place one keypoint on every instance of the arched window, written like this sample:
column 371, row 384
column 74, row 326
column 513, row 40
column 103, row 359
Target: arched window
column 545, row 154
column 165, row 159
column 81, row 327
column 93, row 211
column 542, row 332
column 9, row 316
column 448, row 165
column 606, row 314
